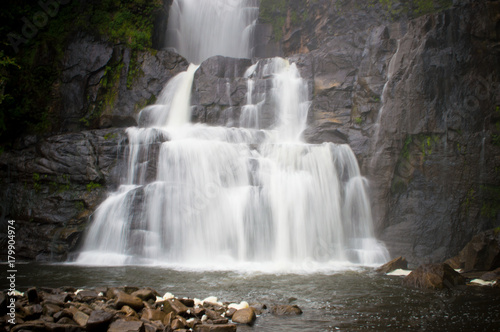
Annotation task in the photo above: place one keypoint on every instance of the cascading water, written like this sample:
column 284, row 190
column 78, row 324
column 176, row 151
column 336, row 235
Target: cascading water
column 199, row 29
column 230, row 198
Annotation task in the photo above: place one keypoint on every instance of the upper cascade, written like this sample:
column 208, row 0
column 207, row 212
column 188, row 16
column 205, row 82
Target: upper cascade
column 201, row 29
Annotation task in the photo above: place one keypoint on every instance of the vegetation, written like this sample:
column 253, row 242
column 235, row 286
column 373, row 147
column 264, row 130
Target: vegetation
column 32, row 47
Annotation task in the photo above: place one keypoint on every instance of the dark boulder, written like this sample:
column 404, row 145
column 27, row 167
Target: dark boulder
column 434, row 276
column 397, row 263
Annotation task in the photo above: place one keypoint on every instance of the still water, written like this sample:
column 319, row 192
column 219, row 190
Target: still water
column 355, row 299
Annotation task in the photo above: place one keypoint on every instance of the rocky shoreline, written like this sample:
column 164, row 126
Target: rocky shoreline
column 125, row 309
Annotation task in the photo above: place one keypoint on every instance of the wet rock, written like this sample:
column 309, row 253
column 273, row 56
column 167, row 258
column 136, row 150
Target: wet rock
column 244, row 316
column 212, row 314
column 33, row 312
column 492, row 275
column 63, row 313
column 187, row 302
column 66, row 321
column 86, row 296
column 153, row 314
column 126, row 326
column 434, row 276
column 37, row 326
column 145, row 294
column 286, row 310
column 230, row 312
column 123, row 299
column 99, row 320
column 129, row 312
column 215, row 328
column 175, row 306
column 56, row 327
column 33, row 296
column 397, row 263
column 178, row 323
column 60, row 298
column 51, row 309
column 482, row 253
column 80, row 318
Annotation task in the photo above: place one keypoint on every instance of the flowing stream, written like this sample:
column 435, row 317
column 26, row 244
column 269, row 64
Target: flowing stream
column 229, row 198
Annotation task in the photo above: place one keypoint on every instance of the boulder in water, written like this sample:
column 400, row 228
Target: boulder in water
column 434, row 276
column 286, row 310
column 396, row 263
column 244, row 316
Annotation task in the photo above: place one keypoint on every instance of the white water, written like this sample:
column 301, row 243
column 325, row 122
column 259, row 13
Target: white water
column 199, row 29
column 236, row 198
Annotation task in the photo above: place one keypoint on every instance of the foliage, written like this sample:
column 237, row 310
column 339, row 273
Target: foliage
column 358, row 120
column 91, row 186
column 29, row 76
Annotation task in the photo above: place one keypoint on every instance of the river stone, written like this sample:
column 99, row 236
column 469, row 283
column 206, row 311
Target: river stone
column 123, row 299
column 33, row 312
column 215, row 328
column 86, row 296
column 176, row 306
column 178, row 323
column 34, row 326
column 99, row 320
column 153, row 314
column 80, row 318
column 56, row 327
column 491, row 275
column 285, row 310
column 145, row 294
column 126, row 326
column 66, row 321
column 129, row 312
column 168, row 318
column 51, row 309
column 33, row 296
column 434, row 276
column 230, row 312
column 63, row 313
column 244, row 316
column 396, row 263
column 187, row 302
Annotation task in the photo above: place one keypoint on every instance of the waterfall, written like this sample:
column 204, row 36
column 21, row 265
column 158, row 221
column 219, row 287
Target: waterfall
column 235, row 198
column 199, row 29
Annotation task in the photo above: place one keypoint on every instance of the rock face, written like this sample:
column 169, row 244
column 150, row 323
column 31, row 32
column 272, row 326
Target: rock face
column 434, row 276
column 416, row 99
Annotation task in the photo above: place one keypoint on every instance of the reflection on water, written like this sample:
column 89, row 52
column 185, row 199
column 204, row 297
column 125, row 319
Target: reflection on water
column 344, row 301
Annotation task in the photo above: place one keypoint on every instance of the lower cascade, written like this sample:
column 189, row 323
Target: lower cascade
column 205, row 197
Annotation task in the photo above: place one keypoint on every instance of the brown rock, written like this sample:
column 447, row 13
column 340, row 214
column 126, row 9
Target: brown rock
column 187, row 302
column 63, row 313
column 80, row 318
column 230, row 312
column 168, row 318
column 434, row 276
column 215, row 328
column 123, row 299
column 86, row 296
column 34, row 326
column 213, row 315
column 396, row 263
column 56, row 327
column 66, row 321
column 145, row 294
column 128, row 311
column 178, row 323
column 33, row 296
column 126, row 326
column 285, row 310
column 51, row 309
column 199, row 312
column 244, row 316
column 176, row 306
column 491, row 275
column 33, row 312
column 99, row 320
column 153, row 314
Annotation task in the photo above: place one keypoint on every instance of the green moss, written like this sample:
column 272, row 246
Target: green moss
column 405, row 151
column 491, row 201
column 92, row 185
column 110, row 136
column 358, row 120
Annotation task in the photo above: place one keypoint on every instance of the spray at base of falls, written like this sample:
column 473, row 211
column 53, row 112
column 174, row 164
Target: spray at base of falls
column 236, row 198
